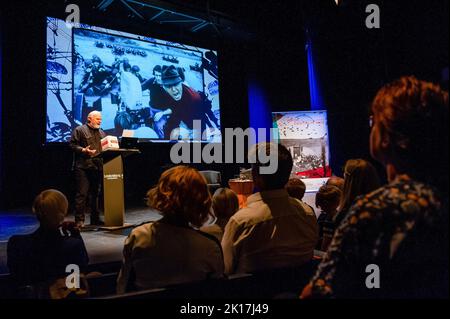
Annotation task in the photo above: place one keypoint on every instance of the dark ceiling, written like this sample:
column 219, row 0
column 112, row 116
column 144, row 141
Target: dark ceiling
column 232, row 18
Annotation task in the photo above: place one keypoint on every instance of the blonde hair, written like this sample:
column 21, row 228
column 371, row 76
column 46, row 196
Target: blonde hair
column 181, row 193
column 225, row 203
column 50, row 207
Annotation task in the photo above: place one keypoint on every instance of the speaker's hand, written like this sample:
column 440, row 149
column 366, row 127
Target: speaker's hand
column 88, row 150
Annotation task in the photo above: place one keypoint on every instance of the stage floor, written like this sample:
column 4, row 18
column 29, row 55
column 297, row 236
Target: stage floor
column 102, row 246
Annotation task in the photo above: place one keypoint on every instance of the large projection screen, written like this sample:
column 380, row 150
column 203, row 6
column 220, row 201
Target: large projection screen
column 91, row 68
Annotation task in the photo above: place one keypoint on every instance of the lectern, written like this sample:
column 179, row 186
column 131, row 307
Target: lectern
column 243, row 189
column 113, row 186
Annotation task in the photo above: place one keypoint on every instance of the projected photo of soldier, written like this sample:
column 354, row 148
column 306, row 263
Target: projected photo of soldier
column 181, row 105
column 156, row 97
column 96, row 82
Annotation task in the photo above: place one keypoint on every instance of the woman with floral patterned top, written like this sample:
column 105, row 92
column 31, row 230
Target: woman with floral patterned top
column 394, row 241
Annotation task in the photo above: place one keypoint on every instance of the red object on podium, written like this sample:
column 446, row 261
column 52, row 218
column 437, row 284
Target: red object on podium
column 243, row 189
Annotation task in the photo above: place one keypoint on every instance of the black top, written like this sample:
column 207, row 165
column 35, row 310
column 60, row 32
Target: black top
column 44, row 254
column 326, row 228
column 157, row 93
column 83, row 136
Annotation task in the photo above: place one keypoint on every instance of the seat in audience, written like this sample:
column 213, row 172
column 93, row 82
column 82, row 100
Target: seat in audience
column 265, row 284
column 102, row 285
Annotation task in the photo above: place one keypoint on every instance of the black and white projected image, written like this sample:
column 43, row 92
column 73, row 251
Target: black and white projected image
column 122, row 75
column 305, row 135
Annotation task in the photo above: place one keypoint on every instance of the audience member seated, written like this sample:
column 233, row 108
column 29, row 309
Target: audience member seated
column 42, row 257
column 224, row 204
column 172, row 250
column 401, row 228
column 327, row 200
column 360, row 178
column 296, row 189
column 336, row 181
column 274, row 230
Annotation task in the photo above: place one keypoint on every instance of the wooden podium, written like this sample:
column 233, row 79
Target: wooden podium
column 113, row 187
column 243, row 189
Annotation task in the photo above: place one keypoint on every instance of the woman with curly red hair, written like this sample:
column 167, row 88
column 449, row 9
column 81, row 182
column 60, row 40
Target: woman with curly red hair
column 172, row 250
column 394, row 241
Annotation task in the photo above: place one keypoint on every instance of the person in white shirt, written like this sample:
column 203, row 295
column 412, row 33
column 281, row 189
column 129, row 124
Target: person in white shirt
column 130, row 88
column 274, row 230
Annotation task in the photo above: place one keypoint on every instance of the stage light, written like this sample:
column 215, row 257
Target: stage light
column 341, row 3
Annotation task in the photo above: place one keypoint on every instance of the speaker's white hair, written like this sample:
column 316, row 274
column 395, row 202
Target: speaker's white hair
column 93, row 113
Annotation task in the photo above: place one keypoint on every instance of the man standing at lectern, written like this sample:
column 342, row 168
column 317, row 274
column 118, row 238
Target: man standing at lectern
column 85, row 143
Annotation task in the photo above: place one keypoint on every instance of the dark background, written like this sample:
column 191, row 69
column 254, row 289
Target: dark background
column 265, row 47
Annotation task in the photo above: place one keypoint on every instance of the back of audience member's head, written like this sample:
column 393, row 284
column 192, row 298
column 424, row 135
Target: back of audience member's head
column 360, row 177
column 328, row 198
column 50, row 207
column 225, row 203
column 182, row 196
column 284, row 163
column 296, row 188
column 336, row 181
column 410, row 130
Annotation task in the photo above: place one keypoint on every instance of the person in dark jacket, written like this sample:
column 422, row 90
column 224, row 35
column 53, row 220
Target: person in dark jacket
column 43, row 256
column 85, row 143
